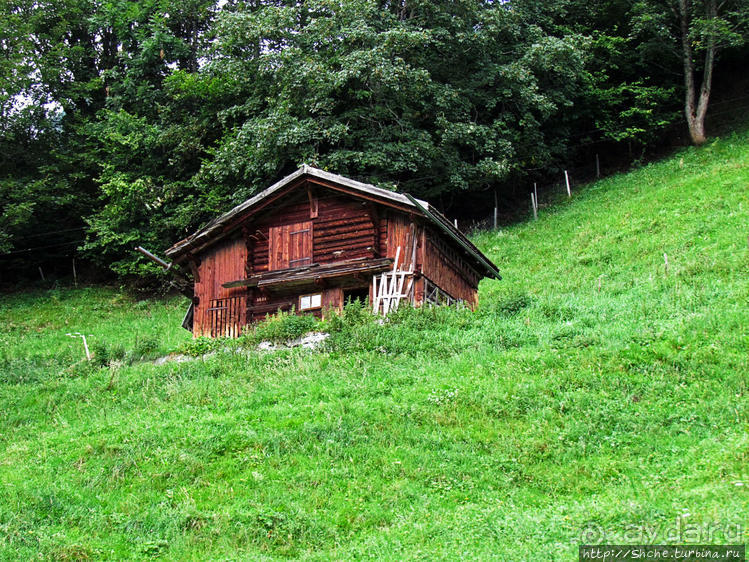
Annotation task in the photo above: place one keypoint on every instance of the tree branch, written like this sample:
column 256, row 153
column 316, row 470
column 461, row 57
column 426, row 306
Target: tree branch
column 707, row 77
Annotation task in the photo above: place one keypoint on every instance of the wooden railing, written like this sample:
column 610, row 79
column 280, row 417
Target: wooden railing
column 227, row 317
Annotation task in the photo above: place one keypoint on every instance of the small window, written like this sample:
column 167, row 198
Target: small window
column 308, row 302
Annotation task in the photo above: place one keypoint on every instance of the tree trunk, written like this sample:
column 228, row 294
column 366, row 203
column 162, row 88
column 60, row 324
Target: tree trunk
column 695, row 109
column 697, row 130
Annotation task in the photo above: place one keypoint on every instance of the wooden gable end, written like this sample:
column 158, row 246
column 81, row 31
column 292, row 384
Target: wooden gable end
column 313, row 225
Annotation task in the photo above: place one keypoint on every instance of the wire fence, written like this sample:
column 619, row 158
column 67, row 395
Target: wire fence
column 723, row 117
column 541, row 194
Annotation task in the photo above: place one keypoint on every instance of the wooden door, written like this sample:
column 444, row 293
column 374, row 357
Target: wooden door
column 290, row 245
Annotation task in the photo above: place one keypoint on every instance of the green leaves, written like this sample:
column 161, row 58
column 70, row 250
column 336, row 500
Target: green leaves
column 391, row 100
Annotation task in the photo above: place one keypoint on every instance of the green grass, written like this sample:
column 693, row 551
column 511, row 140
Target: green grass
column 442, row 434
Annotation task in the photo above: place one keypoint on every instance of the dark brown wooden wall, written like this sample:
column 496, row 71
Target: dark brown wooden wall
column 343, row 229
column 261, row 305
column 403, row 233
column 447, row 268
column 425, row 250
column 290, row 245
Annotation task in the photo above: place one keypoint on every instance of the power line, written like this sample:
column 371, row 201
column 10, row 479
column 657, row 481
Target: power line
column 41, row 248
column 38, row 234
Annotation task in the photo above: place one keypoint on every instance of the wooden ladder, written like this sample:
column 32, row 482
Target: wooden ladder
column 388, row 290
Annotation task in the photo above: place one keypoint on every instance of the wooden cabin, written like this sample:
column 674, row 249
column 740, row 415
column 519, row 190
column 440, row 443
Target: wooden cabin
column 315, row 239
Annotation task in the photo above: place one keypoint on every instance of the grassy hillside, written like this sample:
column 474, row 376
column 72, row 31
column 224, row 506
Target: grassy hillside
column 593, row 392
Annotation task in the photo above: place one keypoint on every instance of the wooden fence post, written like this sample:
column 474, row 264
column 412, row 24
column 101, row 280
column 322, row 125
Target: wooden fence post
column 534, row 205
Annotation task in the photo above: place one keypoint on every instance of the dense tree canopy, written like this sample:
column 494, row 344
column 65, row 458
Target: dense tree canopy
column 126, row 123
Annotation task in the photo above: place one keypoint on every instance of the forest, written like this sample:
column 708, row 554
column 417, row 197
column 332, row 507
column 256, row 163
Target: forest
column 126, row 123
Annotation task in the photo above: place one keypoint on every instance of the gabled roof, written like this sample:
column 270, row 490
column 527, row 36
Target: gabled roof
column 216, row 228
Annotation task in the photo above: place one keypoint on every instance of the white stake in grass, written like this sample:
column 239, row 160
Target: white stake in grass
column 600, row 279
column 85, row 343
column 567, row 181
column 534, row 204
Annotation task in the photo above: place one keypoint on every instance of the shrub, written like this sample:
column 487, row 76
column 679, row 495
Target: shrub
column 429, row 317
column 355, row 313
column 409, row 330
column 199, row 346
column 281, row 327
column 144, row 347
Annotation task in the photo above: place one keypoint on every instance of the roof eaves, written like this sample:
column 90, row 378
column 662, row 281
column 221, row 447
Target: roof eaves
column 365, row 187
column 438, row 219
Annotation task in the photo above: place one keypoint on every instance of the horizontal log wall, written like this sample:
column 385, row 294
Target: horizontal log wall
column 343, row 229
column 270, row 303
column 260, row 305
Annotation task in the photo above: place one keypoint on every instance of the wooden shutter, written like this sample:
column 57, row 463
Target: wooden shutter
column 290, row 245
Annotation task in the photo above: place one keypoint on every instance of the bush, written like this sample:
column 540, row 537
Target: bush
column 281, row 327
column 429, row 317
column 144, row 347
column 355, row 313
column 104, row 354
column 409, row 330
column 199, row 346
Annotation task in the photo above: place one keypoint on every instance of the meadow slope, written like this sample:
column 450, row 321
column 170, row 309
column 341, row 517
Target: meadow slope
column 593, row 396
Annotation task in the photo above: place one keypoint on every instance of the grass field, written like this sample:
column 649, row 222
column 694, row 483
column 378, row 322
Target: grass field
column 594, row 396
